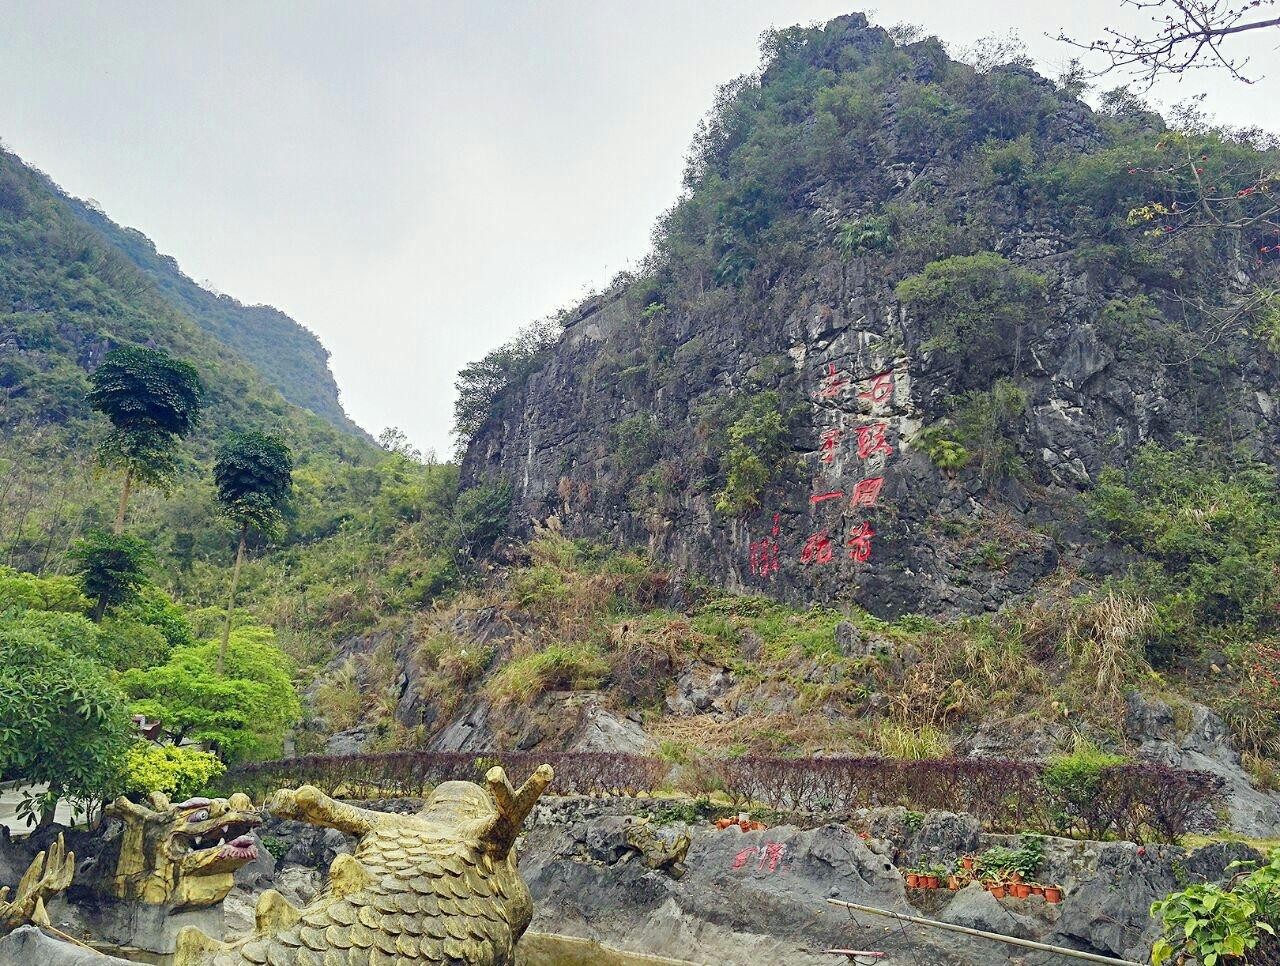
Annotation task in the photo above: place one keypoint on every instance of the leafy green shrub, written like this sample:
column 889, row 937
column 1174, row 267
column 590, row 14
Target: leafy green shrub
column 480, row 515
column 864, row 235
column 242, row 713
column 635, row 442
column 1213, row 924
column 976, row 307
column 755, row 455
column 1000, row 860
column 1074, row 782
column 945, row 451
column 178, row 772
column 62, row 719
column 980, row 428
column 18, row 589
column 1208, row 520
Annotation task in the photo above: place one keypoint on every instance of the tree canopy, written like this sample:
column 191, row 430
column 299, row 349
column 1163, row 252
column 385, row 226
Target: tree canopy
column 254, row 476
column 112, row 568
column 62, row 720
column 242, row 713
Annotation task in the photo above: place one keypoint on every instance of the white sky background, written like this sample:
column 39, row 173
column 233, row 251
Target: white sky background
column 415, row 181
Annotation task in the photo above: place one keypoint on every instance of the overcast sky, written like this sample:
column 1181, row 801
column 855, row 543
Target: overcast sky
column 414, row 181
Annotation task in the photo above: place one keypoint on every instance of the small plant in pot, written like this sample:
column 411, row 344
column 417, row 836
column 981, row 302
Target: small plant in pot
column 1037, row 889
column 968, row 861
column 1021, row 890
column 1053, row 893
column 998, row 889
column 913, row 879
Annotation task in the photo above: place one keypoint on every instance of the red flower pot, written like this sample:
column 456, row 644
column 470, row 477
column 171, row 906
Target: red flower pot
column 1052, row 894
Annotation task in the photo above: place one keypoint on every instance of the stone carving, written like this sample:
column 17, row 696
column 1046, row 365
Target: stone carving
column 182, row 856
column 49, row 874
column 440, row 886
column 656, row 852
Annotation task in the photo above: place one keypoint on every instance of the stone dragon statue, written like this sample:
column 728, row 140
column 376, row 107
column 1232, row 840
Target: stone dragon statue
column 49, row 874
column 439, row 886
column 182, row 855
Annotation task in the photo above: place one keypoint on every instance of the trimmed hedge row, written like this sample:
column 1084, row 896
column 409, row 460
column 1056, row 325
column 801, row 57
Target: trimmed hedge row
column 1138, row 802
column 415, row 773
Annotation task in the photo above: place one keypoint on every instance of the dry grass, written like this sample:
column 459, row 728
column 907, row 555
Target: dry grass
column 1100, row 637
column 913, row 744
column 338, row 698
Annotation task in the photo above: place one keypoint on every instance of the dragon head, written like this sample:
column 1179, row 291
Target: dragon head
column 183, row 855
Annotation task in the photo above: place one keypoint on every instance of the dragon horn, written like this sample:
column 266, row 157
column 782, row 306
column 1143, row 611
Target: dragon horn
column 514, row 805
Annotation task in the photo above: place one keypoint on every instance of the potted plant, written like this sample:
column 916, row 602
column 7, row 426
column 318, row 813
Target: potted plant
column 1037, row 889
column 1053, row 893
column 913, row 879
column 954, row 881
column 968, row 861
column 998, row 889
column 931, row 876
column 1021, row 890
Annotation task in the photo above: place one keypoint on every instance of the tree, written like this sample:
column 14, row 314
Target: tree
column 112, row 568
column 481, row 385
column 62, row 721
column 1184, row 34
column 152, row 400
column 237, row 695
column 254, row 476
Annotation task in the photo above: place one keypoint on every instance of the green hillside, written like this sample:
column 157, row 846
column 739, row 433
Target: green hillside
column 67, row 296
column 288, row 355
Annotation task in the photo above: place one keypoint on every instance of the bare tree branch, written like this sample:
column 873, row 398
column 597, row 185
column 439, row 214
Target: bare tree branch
column 1184, row 34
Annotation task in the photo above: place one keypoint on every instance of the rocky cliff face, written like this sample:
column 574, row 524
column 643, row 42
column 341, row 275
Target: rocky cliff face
column 1043, row 334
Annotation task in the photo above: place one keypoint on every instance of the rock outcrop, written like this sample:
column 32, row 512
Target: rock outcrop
column 621, row 430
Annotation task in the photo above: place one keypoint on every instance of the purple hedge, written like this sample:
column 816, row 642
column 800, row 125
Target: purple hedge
column 1135, row 801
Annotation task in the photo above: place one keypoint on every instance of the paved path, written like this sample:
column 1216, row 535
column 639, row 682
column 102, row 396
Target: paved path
column 11, row 794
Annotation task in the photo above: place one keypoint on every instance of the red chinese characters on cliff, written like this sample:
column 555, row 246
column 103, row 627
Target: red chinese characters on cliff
column 765, row 556
column 871, row 440
column 817, row 550
column 859, row 542
column 833, row 384
column 866, row 492
column 881, row 389
column 828, row 443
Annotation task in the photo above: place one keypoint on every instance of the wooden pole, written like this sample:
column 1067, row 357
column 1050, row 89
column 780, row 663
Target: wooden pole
column 231, row 601
column 951, row 927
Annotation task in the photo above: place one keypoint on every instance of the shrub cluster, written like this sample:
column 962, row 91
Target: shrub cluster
column 1138, row 802
column 1133, row 801
column 415, row 773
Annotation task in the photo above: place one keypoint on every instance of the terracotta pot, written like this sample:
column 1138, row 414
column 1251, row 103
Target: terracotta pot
column 968, row 862
column 1037, row 890
column 1021, row 890
column 953, row 882
column 1015, row 877
column 998, row 891
column 931, row 882
column 913, row 880
column 1052, row 894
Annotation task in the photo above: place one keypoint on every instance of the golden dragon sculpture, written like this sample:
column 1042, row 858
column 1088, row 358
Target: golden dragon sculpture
column 438, row 886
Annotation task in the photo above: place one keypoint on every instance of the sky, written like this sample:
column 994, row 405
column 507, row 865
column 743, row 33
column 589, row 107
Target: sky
column 415, row 181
